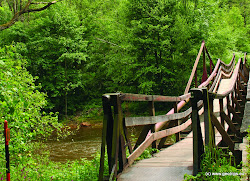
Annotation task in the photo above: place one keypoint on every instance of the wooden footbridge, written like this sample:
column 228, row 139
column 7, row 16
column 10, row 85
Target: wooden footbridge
column 213, row 118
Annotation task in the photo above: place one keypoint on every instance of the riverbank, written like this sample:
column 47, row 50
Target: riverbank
column 91, row 118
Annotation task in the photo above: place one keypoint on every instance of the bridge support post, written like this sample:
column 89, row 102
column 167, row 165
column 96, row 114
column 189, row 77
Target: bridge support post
column 208, row 106
column 152, row 113
column 198, row 147
column 113, row 136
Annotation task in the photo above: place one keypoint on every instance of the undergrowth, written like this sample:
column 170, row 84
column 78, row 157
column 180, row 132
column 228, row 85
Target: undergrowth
column 216, row 165
column 40, row 168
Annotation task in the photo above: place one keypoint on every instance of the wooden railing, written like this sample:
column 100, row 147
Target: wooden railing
column 231, row 104
column 115, row 140
column 115, row 134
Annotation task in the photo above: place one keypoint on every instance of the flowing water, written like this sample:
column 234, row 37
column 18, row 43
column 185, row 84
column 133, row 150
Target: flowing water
column 84, row 144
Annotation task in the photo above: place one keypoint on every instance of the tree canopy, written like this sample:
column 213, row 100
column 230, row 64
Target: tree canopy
column 79, row 50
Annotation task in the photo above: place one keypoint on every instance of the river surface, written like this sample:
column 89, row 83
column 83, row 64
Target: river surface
column 84, row 144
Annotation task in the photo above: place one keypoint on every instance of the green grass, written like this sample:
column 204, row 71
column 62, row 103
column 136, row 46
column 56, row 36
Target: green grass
column 216, row 165
column 39, row 168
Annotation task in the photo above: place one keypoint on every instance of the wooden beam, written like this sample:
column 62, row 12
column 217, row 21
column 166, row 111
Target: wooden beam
column 230, row 123
column 155, row 136
column 194, row 68
column 155, row 98
column 133, row 121
column 226, row 138
column 235, row 115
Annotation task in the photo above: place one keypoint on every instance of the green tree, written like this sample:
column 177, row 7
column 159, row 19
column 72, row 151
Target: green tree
column 56, row 53
column 21, row 103
column 163, row 38
column 223, row 28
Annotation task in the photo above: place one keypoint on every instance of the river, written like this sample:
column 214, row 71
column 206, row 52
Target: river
column 84, row 144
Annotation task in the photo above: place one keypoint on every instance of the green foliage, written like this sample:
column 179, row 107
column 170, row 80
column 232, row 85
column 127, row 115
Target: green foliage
column 215, row 165
column 40, row 168
column 164, row 37
column 21, row 103
column 223, row 29
column 56, row 53
column 82, row 49
column 148, row 153
column 5, row 13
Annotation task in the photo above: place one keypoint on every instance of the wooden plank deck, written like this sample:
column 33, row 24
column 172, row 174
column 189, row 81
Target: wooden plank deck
column 171, row 163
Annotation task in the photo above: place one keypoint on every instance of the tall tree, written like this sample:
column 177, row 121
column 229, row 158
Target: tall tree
column 162, row 37
column 53, row 43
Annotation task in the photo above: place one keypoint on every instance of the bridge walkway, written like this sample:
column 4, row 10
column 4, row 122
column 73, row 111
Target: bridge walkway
column 171, row 163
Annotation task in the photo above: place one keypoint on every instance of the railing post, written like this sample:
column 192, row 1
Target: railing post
column 118, row 135
column 211, row 110
column 204, row 75
column 221, row 110
column 195, row 79
column 245, row 68
column 198, row 148
column 177, row 123
column 228, row 104
column 152, row 113
column 7, row 154
column 209, row 133
column 106, row 134
column 113, row 135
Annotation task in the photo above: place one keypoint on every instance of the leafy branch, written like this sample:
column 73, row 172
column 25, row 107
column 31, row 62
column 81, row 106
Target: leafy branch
column 23, row 10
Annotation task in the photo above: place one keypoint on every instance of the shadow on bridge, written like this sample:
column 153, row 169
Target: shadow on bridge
column 214, row 117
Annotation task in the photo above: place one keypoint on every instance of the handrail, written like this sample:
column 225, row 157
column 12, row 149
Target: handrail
column 228, row 113
column 231, row 63
column 114, row 124
column 155, row 136
column 194, row 68
column 234, row 79
column 136, row 121
column 155, row 98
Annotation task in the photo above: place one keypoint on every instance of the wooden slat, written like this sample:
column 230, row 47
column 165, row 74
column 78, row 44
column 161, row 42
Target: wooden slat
column 194, row 68
column 226, row 74
column 142, row 135
column 156, row 136
column 240, row 95
column 170, row 131
column 155, row 98
column 215, row 84
column 134, row 121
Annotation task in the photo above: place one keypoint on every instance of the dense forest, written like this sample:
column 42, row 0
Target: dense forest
column 59, row 57
column 78, row 50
